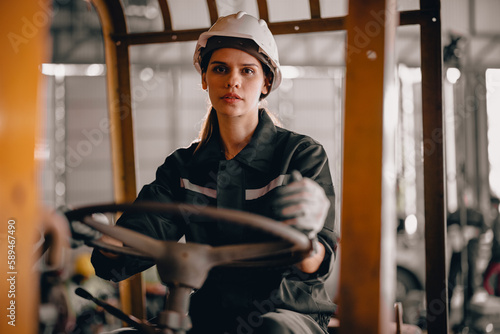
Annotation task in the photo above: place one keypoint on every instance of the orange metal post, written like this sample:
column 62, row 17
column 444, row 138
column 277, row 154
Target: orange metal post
column 368, row 199
column 24, row 27
column 122, row 138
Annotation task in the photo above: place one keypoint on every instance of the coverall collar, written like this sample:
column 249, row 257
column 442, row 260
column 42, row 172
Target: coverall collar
column 257, row 154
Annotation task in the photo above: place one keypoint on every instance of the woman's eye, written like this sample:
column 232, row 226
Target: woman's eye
column 248, row 71
column 219, row 69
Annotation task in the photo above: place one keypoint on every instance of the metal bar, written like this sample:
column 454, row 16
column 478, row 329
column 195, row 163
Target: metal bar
column 158, row 37
column 315, row 9
column 121, row 135
column 165, row 14
column 472, row 17
column 60, row 144
column 212, row 9
column 366, row 296
column 277, row 28
column 414, row 16
column 432, row 118
column 263, row 10
column 312, row 25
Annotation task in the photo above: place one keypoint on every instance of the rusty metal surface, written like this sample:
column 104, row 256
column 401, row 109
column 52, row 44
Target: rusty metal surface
column 188, row 264
column 365, row 303
column 165, row 14
column 121, row 135
column 212, row 10
column 277, row 28
column 360, row 186
column 315, row 9
column 315, row 24
column 432, row 115
column 263, row 10
column 22, row 106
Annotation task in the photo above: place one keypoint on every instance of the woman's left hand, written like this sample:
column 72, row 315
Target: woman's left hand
column 302, row 204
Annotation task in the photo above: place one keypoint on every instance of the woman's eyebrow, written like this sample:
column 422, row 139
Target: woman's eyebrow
column 217, row 62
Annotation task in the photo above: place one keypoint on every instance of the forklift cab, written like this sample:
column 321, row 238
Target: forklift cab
column 367, row 109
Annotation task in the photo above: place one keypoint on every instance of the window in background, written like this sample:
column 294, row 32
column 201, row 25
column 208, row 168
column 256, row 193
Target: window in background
column 493, row 112
column 75, row 147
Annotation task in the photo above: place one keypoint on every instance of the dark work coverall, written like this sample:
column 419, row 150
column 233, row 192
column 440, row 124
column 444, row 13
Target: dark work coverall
column 233, row 299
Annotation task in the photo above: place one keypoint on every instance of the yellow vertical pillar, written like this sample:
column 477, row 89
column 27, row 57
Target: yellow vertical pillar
column 367, row 272
column 112, row 18
column 24, row 27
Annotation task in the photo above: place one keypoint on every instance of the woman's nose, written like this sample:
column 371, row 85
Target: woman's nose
column 233, row 80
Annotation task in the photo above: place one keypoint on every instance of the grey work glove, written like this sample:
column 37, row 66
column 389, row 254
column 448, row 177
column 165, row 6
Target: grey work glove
column 81, row 233
column 302, row 204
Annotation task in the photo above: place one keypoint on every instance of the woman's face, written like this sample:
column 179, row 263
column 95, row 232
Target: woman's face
column 234, row 80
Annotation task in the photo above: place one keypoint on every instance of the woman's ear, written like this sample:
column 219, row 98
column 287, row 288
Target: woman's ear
column 204, row 81
column 267, row 85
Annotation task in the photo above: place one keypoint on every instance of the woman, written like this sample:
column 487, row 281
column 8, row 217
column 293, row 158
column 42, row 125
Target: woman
column 243, row 161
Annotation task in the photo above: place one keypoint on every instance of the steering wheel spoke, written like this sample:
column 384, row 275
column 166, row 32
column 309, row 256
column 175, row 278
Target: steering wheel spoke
column 117, row 249
column 185, row 266
column 188, row 264
column 146, row 246
column 231, row 254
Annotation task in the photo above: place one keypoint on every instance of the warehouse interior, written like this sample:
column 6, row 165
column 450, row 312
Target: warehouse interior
column 73, row 164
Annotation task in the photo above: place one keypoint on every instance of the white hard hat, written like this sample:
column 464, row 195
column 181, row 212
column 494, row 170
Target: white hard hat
column 242, row 26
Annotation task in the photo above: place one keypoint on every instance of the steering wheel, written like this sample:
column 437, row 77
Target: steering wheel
column 185, row 266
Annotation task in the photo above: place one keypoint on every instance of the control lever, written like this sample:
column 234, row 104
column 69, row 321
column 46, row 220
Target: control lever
column 130, row 319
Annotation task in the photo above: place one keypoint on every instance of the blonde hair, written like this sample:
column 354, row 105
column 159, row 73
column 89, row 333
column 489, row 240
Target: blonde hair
column 210, row 122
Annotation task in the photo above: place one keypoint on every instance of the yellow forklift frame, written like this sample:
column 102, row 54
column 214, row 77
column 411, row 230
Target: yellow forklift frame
column 365, row 293
column 367, row 271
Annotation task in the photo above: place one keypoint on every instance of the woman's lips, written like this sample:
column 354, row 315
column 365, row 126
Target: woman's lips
column 231, row 98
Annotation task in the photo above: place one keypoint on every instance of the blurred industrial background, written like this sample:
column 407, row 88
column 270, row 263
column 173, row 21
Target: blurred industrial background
column 168, row 104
